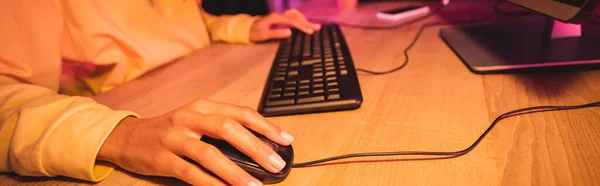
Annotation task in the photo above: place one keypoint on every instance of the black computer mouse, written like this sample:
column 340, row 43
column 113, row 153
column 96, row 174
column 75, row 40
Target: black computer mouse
column 249, row 165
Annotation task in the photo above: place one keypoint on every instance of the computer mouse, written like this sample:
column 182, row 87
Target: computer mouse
column 249, row 165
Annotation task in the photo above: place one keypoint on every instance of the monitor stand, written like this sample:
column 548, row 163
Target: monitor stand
column 523, row 47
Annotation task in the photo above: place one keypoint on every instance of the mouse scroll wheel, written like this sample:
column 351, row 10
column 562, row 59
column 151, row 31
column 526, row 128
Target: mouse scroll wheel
column 271, row 144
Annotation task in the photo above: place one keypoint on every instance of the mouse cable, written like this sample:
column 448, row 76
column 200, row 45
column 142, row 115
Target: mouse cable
column 416, row 38
column 459, row 22
column 497, row 10
column 513, row 113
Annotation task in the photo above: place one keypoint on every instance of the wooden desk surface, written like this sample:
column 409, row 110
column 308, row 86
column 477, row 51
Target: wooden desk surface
column 434, row 103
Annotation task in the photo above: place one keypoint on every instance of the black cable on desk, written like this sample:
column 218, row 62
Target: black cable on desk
column 497, row 11
column 529, row 110
column 416, row 38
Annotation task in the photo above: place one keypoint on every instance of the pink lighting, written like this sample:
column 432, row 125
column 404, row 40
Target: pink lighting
column 563, row 30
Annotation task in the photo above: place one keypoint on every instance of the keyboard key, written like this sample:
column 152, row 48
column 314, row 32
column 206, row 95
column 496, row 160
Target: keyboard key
column 294, row 64
column 318, row 91
column 293, row 73
column 333, row 96
column 280, row 102
column 343, row 72
column 279, row 78
column 304, row 82
column 330, row 68
column 278, row 90
column 329, row 73
column 275, row 95
column 291, row 83
column 304, row 87
column 302, row 93
column 333, row 83
column 317, row 75
column 311, row 62
column 289, row 93
column 311, row 99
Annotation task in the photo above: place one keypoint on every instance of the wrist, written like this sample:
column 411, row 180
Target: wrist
column 111, row 147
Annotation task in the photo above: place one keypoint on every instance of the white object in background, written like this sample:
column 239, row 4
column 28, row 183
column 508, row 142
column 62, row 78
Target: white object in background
column 408, row 14
column 445, row 2
column 564, row 30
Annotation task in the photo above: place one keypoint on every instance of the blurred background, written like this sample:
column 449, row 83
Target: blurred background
column 259, row 7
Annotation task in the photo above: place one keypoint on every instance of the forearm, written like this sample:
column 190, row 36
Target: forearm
column 47, row 134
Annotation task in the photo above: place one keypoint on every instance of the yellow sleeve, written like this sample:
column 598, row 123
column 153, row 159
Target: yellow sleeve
column 229, row 28
column 43, row 133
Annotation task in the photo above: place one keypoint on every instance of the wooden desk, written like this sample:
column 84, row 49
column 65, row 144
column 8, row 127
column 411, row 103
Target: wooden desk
column 434, row 103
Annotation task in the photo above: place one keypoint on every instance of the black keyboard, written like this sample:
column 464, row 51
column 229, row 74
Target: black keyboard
column 311, row 73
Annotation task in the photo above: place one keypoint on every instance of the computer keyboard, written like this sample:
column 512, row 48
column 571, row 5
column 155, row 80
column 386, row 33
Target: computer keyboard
column 311, row 73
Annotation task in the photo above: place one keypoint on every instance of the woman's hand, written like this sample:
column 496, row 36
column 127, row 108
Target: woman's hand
column 155, row 146
column 263, row 28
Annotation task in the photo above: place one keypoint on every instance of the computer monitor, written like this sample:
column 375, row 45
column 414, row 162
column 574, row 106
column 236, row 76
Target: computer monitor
column 542, row 44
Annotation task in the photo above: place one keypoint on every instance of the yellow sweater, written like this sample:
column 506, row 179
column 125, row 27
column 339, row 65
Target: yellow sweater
column 79, row 48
